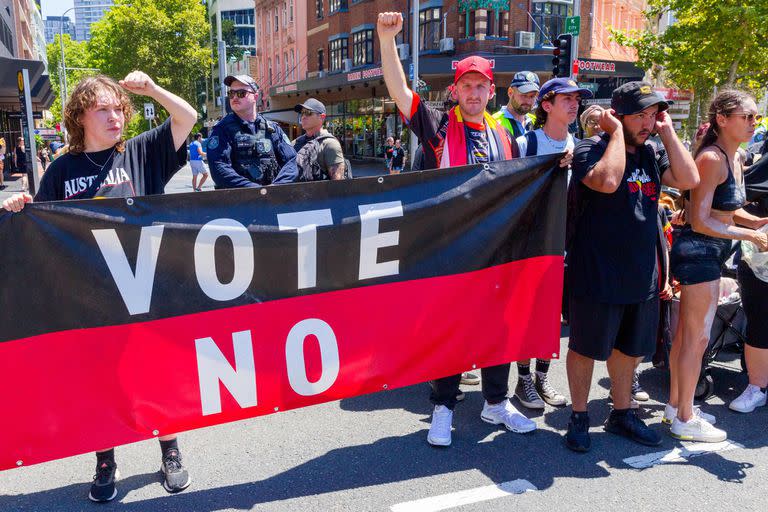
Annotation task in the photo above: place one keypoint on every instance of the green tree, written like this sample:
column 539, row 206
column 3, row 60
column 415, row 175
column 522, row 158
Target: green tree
column 167, row 39
column 76, row 55
column 713, row 43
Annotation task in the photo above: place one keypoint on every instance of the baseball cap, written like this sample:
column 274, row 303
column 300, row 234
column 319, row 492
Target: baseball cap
column 563, row 86
column 247, row 80
column 525, row 82
column 311, row 104
column 473, row 64
column 634, row 97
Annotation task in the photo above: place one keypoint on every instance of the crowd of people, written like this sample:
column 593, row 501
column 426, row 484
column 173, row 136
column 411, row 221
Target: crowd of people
column 620, row 261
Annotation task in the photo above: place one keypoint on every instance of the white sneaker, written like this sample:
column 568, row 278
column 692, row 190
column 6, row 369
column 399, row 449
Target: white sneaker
column 697, row 429
column 440, row 429
column 505, row 413
column 671, row 412
column 748, row 400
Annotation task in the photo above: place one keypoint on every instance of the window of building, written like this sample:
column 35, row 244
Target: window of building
column 6, row 37
column 497, row 24
column 269, row 69
column 320, row 59
column 319, row 9
column 285, row 14
column 245, row 36
column 239, row 17
column 290, row 11
column 287, row 66
column 293, row 65
column 338, row 52
column 550, row 16
column 362, row 48
column 277, row 21
column 277, row 69
column 429, row 28
column 337, row 5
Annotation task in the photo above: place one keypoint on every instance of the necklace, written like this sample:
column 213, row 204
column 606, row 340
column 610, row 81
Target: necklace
column 558, row 144
column 102, row 166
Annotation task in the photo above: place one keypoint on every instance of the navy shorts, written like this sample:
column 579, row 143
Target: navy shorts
column 697, row 258
column 598, row 328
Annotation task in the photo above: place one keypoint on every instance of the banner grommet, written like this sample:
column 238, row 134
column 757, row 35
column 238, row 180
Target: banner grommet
column 129, row 201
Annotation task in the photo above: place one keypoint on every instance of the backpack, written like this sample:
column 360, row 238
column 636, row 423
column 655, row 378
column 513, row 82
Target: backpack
column 307, row 161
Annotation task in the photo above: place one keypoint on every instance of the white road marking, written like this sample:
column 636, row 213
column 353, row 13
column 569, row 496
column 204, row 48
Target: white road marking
column 457, row 499
column 680, row 454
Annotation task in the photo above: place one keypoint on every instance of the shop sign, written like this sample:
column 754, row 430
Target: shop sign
column 364, row 74
column 596, row 65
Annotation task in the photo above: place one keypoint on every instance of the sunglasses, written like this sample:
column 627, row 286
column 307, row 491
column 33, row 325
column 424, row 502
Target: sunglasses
column 307, row 113
column 240, row 93
column 752, row 118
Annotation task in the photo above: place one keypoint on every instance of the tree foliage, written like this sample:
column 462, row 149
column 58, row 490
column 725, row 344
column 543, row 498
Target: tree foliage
column 167, row 39
column 76, row 55
column 712, row 43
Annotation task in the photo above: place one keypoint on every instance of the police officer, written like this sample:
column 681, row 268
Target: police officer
column 246, row 150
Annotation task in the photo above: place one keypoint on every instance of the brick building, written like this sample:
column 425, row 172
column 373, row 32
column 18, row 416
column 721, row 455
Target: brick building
column 343, row 60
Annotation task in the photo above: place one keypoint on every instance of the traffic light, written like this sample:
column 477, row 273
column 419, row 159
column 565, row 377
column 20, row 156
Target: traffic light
column 562, row 55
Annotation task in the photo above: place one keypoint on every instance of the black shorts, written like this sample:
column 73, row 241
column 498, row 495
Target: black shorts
column 598, row 328
column 697, row 258
column 754, row 299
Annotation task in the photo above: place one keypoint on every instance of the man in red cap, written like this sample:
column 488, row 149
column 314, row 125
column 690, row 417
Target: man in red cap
column 466, row 134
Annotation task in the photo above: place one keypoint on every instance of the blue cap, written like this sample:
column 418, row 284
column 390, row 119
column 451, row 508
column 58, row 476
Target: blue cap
column 525, row 82
column 563, row 86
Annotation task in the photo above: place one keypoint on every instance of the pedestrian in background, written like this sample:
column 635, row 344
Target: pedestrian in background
column 318, row 153
column 196, row 155
column 388, row 146
column 398, row 158
column 590, row 121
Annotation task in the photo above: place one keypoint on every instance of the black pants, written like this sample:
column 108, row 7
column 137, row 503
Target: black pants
column 495, row 384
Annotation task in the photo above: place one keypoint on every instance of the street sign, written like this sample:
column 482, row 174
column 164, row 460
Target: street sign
column 573, row 25
column 149, row 111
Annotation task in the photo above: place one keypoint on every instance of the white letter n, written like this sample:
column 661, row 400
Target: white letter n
column 213, row 367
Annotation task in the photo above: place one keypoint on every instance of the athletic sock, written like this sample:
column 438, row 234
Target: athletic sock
column 107, row 456
column 542, row 365
column 523, row 370
column 169, row 445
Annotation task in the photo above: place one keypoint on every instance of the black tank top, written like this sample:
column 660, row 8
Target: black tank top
column 729, row 196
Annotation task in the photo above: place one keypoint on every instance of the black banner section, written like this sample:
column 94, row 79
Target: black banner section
column 92, row 263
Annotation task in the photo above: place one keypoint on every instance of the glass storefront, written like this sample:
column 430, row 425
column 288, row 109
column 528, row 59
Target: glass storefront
column 362, row 126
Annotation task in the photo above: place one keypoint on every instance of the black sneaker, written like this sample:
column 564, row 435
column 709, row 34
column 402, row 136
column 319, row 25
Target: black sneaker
column 103, row 487
column 577, row 438
column 627, row 424
column 176, row 476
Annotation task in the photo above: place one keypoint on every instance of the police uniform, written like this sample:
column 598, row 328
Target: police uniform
column 250, row 154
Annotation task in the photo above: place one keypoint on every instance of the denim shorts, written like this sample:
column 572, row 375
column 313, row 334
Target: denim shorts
column 697, row 258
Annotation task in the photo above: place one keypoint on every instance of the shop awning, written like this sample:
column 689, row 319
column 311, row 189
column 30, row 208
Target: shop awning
column 40, row 84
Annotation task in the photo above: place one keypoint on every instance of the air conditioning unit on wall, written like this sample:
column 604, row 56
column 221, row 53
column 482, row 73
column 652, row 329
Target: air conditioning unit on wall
column 404, row 50
column 446, row 45
column 525, row 39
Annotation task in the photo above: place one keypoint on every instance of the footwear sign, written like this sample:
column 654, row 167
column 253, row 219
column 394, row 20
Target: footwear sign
column 256, row 301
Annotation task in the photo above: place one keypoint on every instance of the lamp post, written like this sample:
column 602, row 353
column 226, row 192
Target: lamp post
column 62, row 64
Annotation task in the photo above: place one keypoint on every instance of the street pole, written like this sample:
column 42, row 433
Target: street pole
column 414, row 141
column 222, row 60
column 575, row 49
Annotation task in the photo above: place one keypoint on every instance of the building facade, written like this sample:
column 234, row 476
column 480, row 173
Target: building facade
column 281, row 50
column 54, row 24
column 86, row 14
column 343, row 57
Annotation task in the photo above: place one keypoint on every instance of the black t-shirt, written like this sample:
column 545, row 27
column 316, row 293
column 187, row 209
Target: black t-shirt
column 21, row 157
column 397, row 157
column 430, row 126
column 144, row 168
column 613, row 237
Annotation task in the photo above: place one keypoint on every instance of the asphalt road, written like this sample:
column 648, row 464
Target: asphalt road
column 370, row 454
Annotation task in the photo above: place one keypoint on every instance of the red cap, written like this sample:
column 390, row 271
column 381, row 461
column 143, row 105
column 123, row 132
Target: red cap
column 473, row 64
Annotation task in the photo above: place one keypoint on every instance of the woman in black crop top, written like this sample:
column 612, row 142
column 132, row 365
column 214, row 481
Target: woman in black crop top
column 714, row 214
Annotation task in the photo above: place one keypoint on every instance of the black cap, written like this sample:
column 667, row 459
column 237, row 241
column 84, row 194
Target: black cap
column 311, row 104
column 247, row 80
column 634, row 97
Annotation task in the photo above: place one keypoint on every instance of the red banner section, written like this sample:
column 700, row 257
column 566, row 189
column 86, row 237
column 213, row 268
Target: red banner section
column 88, row 389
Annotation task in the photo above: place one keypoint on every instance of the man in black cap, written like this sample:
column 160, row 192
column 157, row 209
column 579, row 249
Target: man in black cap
column 245, row 149
column 613, row 270
column 319, row 155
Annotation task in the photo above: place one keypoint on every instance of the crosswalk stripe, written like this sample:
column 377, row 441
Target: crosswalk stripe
column 466, row 497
